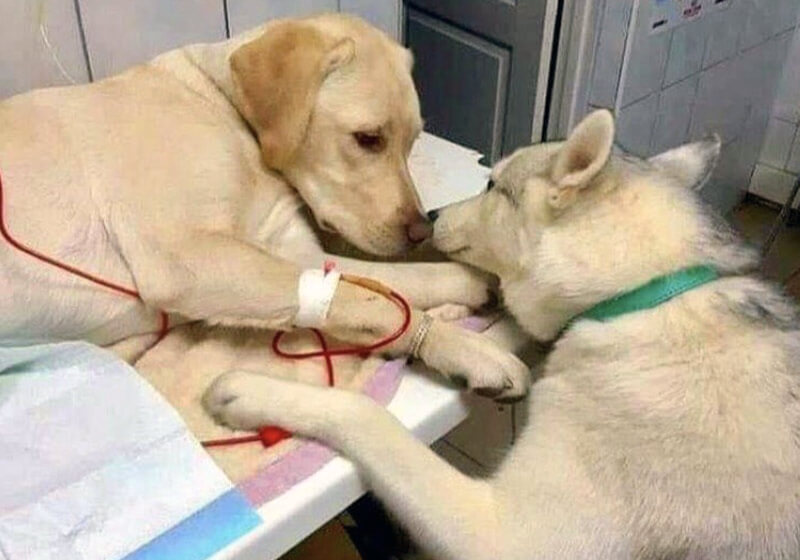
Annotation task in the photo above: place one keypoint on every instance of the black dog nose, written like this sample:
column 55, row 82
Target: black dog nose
column 432, row 215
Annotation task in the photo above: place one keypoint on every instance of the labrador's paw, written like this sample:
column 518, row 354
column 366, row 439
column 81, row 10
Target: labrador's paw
column 454, row 284
column 450, row 312
column 470, row 287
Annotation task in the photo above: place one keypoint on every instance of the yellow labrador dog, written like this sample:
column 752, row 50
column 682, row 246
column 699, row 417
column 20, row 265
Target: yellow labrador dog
column 186, row 178
column 666, row 424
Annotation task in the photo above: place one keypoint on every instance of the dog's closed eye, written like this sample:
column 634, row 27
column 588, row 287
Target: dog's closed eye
column 370, row 141
column 508, row 195
column 458, row 251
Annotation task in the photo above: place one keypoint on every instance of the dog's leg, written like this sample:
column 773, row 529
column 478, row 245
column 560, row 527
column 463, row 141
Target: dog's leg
column 215, row 278
column 453, row 515
column 469, row 359
column 221, row 280
column 426, row 285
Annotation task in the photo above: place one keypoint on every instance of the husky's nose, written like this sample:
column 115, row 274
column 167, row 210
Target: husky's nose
column 432, row 215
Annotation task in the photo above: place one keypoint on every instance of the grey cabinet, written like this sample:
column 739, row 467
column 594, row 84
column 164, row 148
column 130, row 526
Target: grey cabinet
column 476, row 69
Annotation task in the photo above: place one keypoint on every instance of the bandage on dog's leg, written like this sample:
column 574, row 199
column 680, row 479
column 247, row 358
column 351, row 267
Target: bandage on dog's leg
column 315, row 291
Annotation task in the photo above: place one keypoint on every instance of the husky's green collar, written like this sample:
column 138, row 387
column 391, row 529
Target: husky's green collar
column 650, row 295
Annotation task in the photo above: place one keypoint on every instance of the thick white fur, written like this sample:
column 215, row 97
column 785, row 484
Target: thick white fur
column 671, row 433
column 156, row 179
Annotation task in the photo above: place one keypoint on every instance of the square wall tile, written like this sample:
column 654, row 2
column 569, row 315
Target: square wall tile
column 778, row 143
column 384, row 14
column 635, row 125
column 674, row 115
column 765, row 19
column 793, row 163
column 752, row 140
column 686, row 51
column 738, row 159
column 762, row 70
column 723, row 29
column 730, row 91
column 772, row 184
column 643, row 71
column 120, row 33
column 720, row 105
column 246, row 14
column 609, row 53
column 787, row 103
column 734, row 170
column 26, row 62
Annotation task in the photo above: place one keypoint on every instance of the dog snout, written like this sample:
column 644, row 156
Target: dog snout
column 419, row 230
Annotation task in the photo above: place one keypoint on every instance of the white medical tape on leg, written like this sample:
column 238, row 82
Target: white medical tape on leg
column 315, row 292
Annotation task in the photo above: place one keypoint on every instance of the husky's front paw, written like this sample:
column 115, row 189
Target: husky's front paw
column 496, row 374
column 239, row 400
column 472, row 361
column 250, row 401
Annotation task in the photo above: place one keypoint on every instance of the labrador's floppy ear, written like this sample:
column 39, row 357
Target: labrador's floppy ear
column 580, row 159
column 276, row 79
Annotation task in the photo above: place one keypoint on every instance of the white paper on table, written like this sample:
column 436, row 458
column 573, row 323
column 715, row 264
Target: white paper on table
column 94, row 463
column 445, row 173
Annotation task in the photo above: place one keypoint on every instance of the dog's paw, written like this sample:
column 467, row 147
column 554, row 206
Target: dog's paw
column 494, row 373
column 474, row 362
column 450, row 312
column 239, row 400
column 459, row 285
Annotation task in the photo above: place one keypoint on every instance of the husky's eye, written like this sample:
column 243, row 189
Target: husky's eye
column 490, row 185
column 370, row 141
column 508, row 195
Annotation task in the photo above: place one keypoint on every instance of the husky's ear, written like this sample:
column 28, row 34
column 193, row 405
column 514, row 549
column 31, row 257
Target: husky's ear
column 691, row 164
column 581, row 158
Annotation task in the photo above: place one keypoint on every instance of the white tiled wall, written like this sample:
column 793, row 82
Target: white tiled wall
column 385, row 14
column 635, row 124
column 92, row 39
column 687, row 47
column 244, row 14
column 121, row 34
column 778, row 143
column 722, row 33
column 779, row 162
column 719, row 74
column 610, row 50
column 674, row 116
column 25, row 62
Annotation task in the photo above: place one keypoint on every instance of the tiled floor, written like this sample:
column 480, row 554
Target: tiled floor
column 330, row 542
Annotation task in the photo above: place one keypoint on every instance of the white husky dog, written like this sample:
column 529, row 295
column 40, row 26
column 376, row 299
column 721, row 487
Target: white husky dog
column 666, row 424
